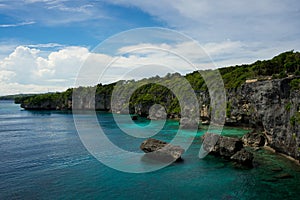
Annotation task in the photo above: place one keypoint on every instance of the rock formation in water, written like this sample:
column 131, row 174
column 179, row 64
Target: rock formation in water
column 160, row 150
column 228, row 148
column 254, row 139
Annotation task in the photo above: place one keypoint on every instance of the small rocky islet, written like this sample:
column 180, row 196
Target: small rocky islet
column 241, row 152
column 233, row 149
column 162, row 151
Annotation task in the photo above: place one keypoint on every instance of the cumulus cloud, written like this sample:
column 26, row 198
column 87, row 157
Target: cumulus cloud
column 27, row 67
column 31, row 69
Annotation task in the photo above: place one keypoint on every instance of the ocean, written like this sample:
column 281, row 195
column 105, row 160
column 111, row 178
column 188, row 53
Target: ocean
column 42, row 157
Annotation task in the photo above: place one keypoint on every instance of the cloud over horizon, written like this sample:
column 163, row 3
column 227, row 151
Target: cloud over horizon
column 44, row 42
column 32, row 69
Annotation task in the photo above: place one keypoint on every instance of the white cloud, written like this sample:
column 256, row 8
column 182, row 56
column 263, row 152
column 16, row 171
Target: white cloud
column 46, row 45
column 219, row 20
column 29, row 69
column 192, row 51
column 6, row 48
column 25, row 67
column 17, row 88
column 17, row 24
column 6, row 75
column 53, row 12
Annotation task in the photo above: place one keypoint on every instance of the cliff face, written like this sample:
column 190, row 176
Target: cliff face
column 48, row 104
column 272, row 107
column 83, row 102
column 268, row 106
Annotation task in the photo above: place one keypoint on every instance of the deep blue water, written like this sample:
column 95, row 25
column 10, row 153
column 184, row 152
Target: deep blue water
column 42, row 157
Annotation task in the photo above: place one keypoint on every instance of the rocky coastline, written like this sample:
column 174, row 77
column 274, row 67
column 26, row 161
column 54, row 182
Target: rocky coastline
column 270, row 107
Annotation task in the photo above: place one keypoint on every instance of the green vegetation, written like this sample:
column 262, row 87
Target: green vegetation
column 288, row 106
column 295, row 119
column 148, row 93
column 228, row 109
column 51, row 99
column 295, row 84
column 16, row 96
column 280, row 66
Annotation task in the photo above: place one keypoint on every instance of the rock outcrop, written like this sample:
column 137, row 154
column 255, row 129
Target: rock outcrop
column 228, row 148
column 221, row 145
column 243, row 157
column 268, row 106
column 254, row 139
column 162, row 151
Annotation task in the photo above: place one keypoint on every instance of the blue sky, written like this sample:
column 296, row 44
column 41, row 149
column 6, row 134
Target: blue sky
column 44, row 42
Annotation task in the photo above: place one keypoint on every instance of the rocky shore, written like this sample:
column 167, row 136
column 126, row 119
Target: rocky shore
column 270, row 107
column 238, row 150
column 229, row 148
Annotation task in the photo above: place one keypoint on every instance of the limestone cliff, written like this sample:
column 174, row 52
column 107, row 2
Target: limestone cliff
column 271, row 107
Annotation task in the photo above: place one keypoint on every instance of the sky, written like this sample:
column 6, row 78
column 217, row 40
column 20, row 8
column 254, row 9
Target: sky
column 45, row 43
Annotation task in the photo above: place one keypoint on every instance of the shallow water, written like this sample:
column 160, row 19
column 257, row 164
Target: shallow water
column 42, row 157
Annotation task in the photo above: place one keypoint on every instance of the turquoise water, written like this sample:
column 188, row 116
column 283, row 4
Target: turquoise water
column 42, row 157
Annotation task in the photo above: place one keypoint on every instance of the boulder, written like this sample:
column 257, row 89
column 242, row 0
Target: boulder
column 227, row 147
column 254, row 139
column 243, row 157
column 221, row 145
column 162, row 151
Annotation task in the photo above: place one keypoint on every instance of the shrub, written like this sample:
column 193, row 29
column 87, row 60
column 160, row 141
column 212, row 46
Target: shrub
column 295, row 119
column 295, row 84
column 288, row 106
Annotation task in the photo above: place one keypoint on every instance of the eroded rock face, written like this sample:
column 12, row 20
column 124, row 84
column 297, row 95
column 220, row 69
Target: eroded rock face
column 162, row 151
column 227, row 147
column 221, row 145
column 243, row 157
column 254, row 139
column 269, row 106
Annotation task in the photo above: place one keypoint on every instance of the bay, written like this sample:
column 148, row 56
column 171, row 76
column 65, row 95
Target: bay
column 42, row 157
